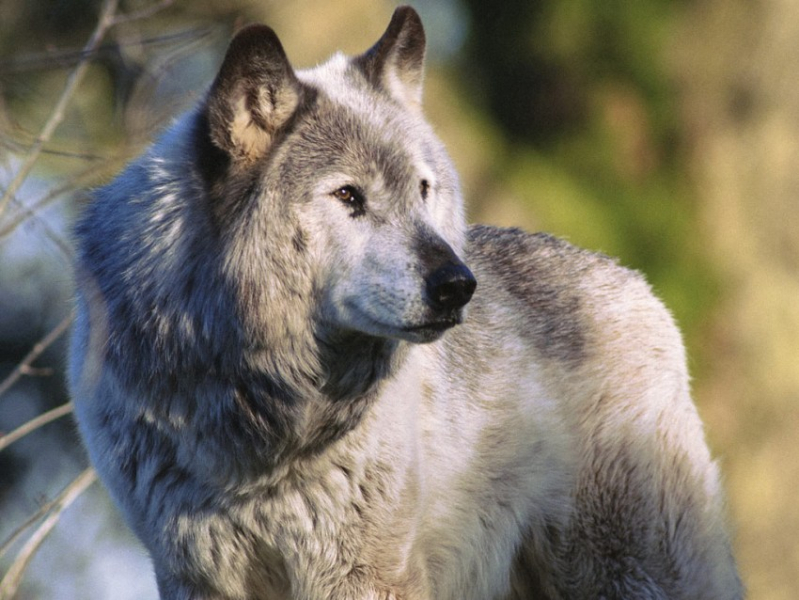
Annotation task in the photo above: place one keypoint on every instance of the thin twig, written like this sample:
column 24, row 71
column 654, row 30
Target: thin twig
column 13, row 577
column 35, row 352
column 54, row 237
column 34, row 424
column 47, row 61
column 105, row 21
column 18, row 147
column 17, row 533
column 38, row 371
column 144, row 13
column 86, row 177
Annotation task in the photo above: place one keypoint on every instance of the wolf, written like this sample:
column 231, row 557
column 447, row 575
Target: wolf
column 302, row 376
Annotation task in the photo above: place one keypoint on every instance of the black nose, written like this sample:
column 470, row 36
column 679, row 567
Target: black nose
column 450, row 287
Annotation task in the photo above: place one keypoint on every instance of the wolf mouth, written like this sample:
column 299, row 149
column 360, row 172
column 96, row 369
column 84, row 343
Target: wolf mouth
column 437, row 326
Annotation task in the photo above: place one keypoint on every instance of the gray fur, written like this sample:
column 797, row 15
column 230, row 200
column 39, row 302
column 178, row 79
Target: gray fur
column 277, row 379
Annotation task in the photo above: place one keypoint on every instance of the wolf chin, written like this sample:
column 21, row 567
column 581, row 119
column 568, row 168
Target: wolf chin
column 301, row 375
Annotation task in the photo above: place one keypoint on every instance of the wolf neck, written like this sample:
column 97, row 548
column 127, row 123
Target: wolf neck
column 330, row 386
column 354, row 369
column 355, row 364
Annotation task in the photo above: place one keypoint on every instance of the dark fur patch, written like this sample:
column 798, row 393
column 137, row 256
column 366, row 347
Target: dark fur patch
column 300, row 241
column 212, row 162
column 539, row 271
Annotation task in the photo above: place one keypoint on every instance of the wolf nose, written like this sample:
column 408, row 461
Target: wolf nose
column 450, row 287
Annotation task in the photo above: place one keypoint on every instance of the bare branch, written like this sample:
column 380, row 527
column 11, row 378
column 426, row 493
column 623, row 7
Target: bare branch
column 5, row 441
column 106, row 20
column 34, row 424
column 40, row 525
column 17, row 533
column 38, row 371
column 80, row 180
column 144, row 13
column 46, row 61
column 35, row 352
column 13, row 577
column 53, row 236
column 20, row 147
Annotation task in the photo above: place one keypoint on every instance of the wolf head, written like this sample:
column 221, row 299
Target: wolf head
column 289, row 213
column 333, row 189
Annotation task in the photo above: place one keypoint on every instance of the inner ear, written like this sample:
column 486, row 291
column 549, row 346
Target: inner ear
column 396, row 62
column 254, row 94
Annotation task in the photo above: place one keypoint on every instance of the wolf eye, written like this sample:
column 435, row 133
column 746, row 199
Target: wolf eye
column 424, row 188
column 348, row 194
column 352, row 197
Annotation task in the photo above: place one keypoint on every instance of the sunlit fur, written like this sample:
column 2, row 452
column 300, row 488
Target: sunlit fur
column 281, row 409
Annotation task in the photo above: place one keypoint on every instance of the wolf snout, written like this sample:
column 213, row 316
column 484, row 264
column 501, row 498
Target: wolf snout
column 451, row 287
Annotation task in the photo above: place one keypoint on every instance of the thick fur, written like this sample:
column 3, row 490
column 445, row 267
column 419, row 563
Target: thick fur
column 278, row 382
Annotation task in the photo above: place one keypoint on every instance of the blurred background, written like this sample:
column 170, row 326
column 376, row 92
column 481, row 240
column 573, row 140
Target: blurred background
column 664, row 132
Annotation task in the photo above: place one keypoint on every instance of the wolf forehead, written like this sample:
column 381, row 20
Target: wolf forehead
column 361, row 137
column 356, row 117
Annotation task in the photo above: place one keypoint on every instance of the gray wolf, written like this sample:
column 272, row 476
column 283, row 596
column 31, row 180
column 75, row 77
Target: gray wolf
column 301, row 375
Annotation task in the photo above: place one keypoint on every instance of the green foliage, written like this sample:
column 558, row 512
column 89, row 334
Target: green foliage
column 581, row 90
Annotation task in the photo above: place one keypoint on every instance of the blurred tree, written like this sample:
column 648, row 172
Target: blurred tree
column 519, row 79
column 583, row 95
column 539, row 63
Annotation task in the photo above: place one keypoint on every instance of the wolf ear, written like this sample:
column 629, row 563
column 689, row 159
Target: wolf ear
column 253, row 96
column 396, row 62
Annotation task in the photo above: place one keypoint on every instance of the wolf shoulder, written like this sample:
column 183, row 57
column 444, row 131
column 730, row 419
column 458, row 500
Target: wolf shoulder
column 578, row 309
column 608, row 354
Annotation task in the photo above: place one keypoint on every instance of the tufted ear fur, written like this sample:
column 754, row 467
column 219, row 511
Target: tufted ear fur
column 396, row 62
column 255, row 93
